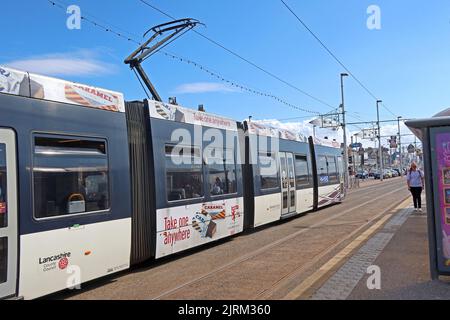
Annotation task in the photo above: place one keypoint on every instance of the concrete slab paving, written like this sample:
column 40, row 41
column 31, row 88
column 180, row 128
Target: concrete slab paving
column 404, row 267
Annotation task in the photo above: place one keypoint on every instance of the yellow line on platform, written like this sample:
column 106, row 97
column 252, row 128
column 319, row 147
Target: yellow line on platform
column 298, row 291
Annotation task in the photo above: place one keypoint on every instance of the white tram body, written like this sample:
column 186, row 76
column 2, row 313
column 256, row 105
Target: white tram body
column 89, row 185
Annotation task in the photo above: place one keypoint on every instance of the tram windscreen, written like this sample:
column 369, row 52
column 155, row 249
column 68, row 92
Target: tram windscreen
column 70, row 177
column 3, row 187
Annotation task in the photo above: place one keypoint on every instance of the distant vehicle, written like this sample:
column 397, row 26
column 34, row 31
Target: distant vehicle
column 376, row 174
column 399, row 173
column 387, row 173
column 362, row 174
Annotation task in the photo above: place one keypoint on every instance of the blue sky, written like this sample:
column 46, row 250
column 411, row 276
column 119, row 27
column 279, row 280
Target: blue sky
column 406, row 63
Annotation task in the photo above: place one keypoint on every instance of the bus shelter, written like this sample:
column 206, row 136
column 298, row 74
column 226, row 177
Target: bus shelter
column 435, row 136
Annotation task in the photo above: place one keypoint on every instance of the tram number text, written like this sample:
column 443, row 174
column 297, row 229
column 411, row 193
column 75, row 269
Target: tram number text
column 235, row 309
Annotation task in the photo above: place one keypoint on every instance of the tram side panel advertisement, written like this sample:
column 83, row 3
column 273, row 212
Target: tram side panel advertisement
column 41, row 87
column 185, row 227
column 441, row 164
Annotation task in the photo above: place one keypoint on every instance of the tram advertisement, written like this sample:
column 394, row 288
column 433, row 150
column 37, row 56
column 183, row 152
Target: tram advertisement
column 181, row 228
column 443, row 167
column 36, row 86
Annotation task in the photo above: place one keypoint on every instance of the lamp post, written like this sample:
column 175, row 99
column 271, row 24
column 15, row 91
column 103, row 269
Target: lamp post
column 346, row 175
column 400, row 145
column 380, row 152
column 353, row 155
column 358, row 155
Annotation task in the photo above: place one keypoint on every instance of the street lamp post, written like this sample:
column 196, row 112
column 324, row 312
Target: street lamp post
column 353, row 156
column 358, row 153
column 346, row 175
column 400, row 145
column 380, row 152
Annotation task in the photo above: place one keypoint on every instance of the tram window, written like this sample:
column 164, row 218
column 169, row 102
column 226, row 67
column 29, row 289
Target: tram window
column 3, row 186
column 70, row 176
column 3, row 259
column 268, row 170
column 332, row 170
column 222, row 174
column 301, row 170
column 322, row 170
column 184, row 173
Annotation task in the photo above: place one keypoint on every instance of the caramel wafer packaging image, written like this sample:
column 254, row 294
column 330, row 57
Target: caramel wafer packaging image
column 201, row 223
column 91, row 97
column 160, row 110
column 212, row 229
column 216, row 211
column 74, row 93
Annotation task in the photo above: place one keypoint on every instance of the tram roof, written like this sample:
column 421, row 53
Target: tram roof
column 26, row 84
column 177, row 113
column 263, row 129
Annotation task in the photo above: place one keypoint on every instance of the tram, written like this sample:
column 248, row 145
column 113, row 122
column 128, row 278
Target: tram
column 90, row 184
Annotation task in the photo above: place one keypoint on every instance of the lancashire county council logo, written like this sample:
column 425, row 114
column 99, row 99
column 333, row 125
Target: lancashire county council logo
column 63, row 263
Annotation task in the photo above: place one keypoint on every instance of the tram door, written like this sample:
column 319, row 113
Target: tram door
column 288, row 193
column 8, row 214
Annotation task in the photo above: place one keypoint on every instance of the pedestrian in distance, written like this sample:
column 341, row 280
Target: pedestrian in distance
column 415, row 181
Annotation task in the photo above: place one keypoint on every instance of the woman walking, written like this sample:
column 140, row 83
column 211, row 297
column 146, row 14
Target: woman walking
column 415, row 182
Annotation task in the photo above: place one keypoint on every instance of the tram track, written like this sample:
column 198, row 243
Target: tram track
column 285, row 239
column 289, row 277
column 243, row 267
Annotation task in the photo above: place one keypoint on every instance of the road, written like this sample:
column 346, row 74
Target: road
column 276, row 262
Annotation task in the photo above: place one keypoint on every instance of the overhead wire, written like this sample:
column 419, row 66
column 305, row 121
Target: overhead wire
column 106, row 28
column 246, row 60
column 334, row 56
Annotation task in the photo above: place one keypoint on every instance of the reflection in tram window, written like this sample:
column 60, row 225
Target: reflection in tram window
column 268, row 170
column 3, row 185
column 332, row 170
column 70, row 176
column 3, row 259
column 322, row 170
column 301, row 170
column 340, row 164
column 222, row 174
column 184, row 173
column 290, row 163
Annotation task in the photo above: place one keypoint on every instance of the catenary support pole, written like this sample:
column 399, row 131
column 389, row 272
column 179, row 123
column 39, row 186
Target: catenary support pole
column 346, row 176
column 380, row 152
